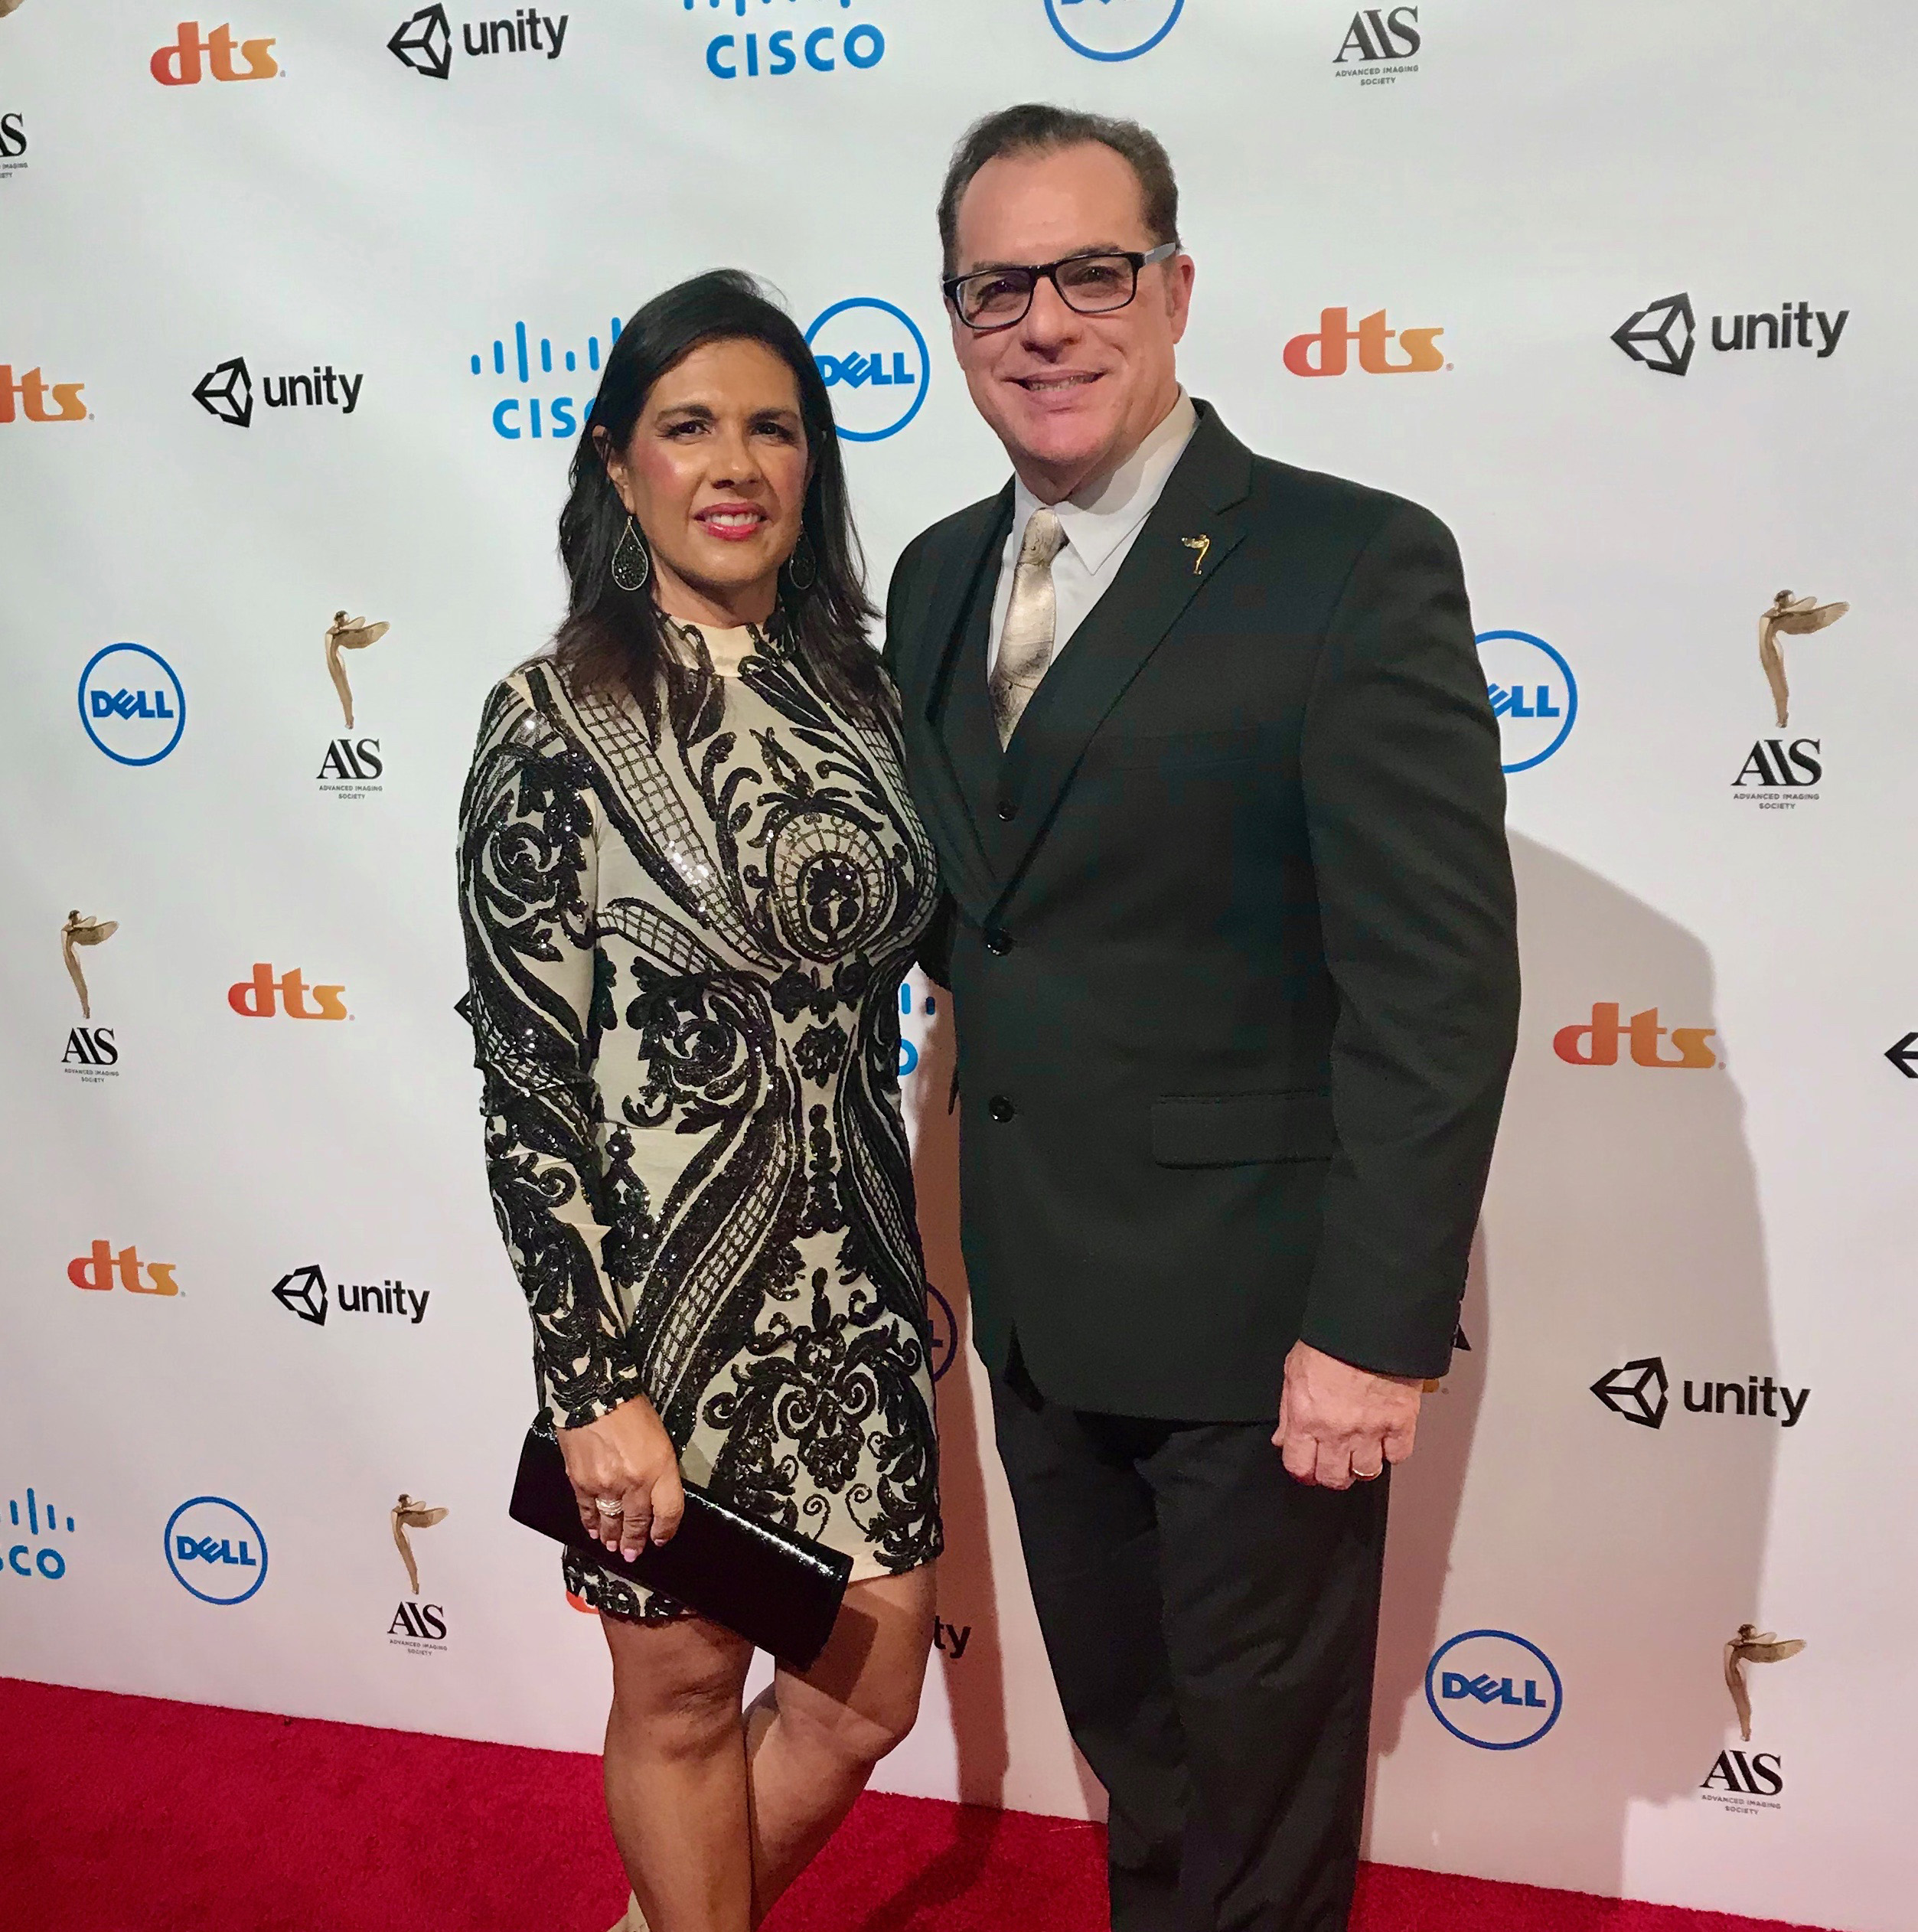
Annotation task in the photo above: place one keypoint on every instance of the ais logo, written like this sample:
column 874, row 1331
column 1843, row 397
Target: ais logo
column 178, row 64
column 131, row 704
column 1324, row 354
column 1382, row 41
column 39, row 1519
column 215, row 1550
column 792, row 50
column 424, row 41
column 874, row 362
column 32, row 392
column 1113, row 29
column 254, row 998
column 99, row 1268
column 1597, row 1044
column 515, row 416
column 1495, row 1690
column 1534, row 695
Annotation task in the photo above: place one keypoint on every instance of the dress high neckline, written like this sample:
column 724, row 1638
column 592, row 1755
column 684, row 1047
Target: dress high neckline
column 727, row 650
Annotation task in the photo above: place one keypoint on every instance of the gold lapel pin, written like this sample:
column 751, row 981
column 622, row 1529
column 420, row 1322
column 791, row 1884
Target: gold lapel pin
column 1199, row 546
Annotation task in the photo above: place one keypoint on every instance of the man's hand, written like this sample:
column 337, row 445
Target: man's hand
column 626, row 1457
column 1337, row 1423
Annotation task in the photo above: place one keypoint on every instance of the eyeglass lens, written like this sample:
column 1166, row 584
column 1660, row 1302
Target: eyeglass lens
column 1092, row 284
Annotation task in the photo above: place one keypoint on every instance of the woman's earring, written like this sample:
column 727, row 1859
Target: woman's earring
column 802, row 567
column 632, row 561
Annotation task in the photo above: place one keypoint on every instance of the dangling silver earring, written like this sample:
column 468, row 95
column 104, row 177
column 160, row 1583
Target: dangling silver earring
column 802, row 567
column 632, row 561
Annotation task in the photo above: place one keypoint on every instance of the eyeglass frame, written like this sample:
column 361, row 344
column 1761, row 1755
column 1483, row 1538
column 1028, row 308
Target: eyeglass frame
column 1049, row 272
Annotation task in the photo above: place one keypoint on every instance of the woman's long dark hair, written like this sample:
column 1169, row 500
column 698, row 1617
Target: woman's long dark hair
column 611, row 640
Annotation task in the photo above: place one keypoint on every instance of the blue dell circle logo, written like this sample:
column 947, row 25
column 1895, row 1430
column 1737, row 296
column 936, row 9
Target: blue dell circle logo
column 1534, row 695
column 876, row 365
column 1114, row 30
column 215, row 1550
column 131, row 704
column 1495, row 1690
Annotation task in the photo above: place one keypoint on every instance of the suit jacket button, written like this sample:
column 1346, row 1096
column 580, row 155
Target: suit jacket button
column 1008, row 811
column 1000, row 1108
column 997, row 943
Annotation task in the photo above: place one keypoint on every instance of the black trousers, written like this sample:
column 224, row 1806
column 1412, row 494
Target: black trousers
column 1212, row 1626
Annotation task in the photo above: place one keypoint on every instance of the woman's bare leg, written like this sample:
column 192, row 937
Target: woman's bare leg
column 676, row 1772
column 811, row 1741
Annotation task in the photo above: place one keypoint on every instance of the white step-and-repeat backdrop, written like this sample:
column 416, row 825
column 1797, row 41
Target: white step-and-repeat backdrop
column 300, row 308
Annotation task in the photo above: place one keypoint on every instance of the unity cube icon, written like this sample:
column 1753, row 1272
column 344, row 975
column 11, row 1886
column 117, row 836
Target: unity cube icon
column 1638, row 1392
column 227, row 393
column 1660, row 335
column 424, row 42
column 304, row 1293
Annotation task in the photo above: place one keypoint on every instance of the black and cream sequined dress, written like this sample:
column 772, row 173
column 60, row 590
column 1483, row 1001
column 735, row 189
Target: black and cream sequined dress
column 685, row 962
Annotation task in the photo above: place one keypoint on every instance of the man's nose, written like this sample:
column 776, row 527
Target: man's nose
column 1051, row 322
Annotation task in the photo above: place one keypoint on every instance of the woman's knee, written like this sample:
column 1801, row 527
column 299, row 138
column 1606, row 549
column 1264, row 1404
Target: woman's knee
column 676, row 1688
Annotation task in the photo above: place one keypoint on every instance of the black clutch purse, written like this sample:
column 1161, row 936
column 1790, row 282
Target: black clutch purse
column 777, row 1590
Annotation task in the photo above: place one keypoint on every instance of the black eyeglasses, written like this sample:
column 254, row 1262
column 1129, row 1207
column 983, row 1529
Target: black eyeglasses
column 1092, row 284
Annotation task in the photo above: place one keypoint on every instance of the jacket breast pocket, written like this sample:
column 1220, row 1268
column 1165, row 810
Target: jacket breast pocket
column 1231, row 1130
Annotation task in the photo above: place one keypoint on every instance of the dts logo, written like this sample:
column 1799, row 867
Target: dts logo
column 97, row 1270
column 253, row 999
column 1597, row 1044
column 33, row 390
column 1371, row 335
column 178, row 64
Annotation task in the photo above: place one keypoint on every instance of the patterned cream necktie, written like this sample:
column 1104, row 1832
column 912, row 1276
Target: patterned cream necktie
column 1026, row 644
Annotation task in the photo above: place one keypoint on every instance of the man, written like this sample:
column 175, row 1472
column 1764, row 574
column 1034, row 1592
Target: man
column 1204, row 746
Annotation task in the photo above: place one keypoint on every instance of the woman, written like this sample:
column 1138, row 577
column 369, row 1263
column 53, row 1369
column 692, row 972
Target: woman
column 691, row 879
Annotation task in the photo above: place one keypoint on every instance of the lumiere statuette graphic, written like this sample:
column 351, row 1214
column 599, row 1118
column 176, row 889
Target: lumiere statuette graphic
column 81, row 930
column 347, row 633
column 1753, row 1646
column 409, row 1514
column 1791, row 616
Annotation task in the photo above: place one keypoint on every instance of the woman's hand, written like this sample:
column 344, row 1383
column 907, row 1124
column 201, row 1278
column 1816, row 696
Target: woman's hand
column 626, row 1456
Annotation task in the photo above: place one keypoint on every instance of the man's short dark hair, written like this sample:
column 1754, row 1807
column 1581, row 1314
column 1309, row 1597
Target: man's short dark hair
column 1035, row 128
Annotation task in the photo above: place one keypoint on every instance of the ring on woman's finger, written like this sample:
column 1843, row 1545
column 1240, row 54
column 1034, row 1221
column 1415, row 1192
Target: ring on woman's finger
column 608, row 1505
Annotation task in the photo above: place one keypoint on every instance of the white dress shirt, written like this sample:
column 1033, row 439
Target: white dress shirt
column 1101, row 525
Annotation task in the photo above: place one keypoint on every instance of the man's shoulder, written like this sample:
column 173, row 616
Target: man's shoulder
column 961, row 531
column 1333, row 507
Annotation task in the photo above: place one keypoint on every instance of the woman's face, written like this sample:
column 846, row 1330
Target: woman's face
column 715, row 475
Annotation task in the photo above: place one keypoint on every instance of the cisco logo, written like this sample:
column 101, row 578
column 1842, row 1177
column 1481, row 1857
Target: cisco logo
column 37, row 1519
column 215, row 1550
column 1495, row 1690
column 1113, row 29
column 552, row 417
column 875, row 365
column 1534, row 695
column 131, row 704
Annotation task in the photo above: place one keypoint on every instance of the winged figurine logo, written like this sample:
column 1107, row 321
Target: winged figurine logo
column 347, row 633
column 1752, row 1646
column 1788, row 616
column 82, row 929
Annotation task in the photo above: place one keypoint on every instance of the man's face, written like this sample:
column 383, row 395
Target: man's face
column 1070, row 396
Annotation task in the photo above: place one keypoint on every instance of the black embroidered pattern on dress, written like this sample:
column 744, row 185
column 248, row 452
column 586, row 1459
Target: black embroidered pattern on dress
column 768, row 1293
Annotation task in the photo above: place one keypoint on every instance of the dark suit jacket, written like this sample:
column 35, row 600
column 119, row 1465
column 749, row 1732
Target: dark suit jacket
column 1230, row 937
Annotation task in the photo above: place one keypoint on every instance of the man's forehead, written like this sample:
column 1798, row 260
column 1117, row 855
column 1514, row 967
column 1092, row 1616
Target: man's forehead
column 1061, row 199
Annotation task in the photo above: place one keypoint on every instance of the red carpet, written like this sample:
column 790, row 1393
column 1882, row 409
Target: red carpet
column 130, row 1814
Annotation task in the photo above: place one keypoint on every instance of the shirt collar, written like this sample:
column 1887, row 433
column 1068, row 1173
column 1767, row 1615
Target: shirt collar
column 1097, row 520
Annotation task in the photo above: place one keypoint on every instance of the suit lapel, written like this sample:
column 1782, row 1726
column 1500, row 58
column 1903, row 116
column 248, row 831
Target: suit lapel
column 971, row 550
column 1193, row 528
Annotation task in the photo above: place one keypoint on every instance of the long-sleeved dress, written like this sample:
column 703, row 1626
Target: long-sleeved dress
column 685, row 960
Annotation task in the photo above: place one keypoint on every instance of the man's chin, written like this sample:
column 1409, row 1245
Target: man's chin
column 1063, row 436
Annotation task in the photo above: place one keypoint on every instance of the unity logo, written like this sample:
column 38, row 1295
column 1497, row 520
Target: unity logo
column 418, row 1627
column 873, row 354
column 1118, row 30
column 1534, row 695
column 1491, row 1689
column 301, row 1291
column 135, row 723
column 33, row 390
column 1663, row 335
column 39, row 1519
column 177, row 64
column 225, row 391
column 1382, row 42
column 424, row 41
column 206, row 1539
column 1640, row 1392
column 253, row 999
column 507, row 421
column 97, row 1269
column 1596, row 1043
column 822, row 49
column 1324, row 354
